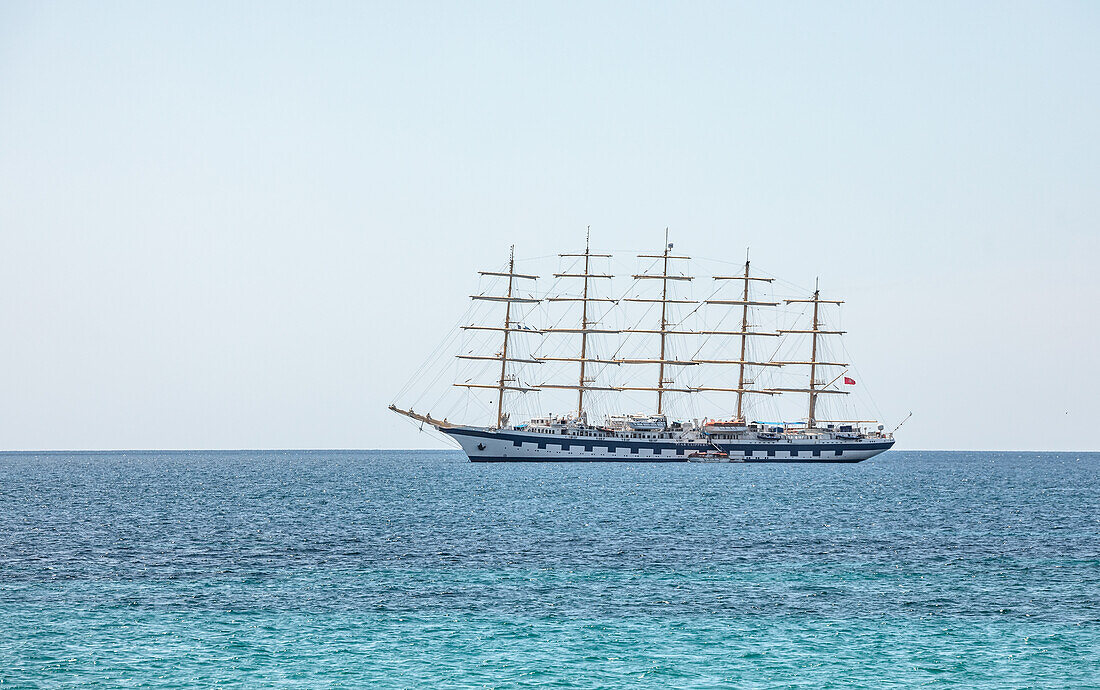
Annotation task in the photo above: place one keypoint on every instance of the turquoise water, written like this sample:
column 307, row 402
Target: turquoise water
column 406, row 569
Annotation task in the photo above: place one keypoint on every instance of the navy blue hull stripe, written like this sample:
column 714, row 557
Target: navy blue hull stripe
column 635, row 459
column 581, row 458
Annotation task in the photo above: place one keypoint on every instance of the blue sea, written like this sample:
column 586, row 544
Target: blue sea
column 420, row 569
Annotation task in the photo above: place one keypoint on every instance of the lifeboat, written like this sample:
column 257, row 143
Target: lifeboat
column 713, row 426
column 709, row 454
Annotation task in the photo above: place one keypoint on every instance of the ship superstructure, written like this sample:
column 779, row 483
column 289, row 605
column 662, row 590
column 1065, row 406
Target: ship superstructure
column 594, row 348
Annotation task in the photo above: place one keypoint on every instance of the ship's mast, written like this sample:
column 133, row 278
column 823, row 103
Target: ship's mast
column 504, row 383
column 814, row 389
column 744, row 342
column 664, row 324
column 663, row 332
column 586, row 327
column 743, row 384
column 507, row 324
column 813, row 359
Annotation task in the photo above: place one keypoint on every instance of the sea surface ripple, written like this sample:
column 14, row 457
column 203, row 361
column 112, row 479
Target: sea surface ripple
column 420, row 569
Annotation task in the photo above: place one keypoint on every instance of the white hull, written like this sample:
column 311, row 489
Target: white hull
column 512, row 445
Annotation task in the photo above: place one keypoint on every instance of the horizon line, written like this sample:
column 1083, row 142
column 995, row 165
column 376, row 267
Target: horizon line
column 446, row 450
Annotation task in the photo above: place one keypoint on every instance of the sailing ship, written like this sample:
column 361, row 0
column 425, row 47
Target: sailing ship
column 653, row 435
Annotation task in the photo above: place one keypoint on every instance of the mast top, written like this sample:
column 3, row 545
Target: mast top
column 587, row 232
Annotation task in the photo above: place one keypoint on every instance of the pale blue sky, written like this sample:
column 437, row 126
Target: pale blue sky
column 244, row 224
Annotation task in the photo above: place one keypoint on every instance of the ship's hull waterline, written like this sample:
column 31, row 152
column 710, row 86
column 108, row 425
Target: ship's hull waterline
column 496, row 445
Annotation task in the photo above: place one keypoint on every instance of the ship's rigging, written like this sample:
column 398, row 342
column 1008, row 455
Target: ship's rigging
column 542, row 344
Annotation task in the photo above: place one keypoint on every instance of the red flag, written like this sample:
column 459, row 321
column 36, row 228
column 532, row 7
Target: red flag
column 849, row 381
